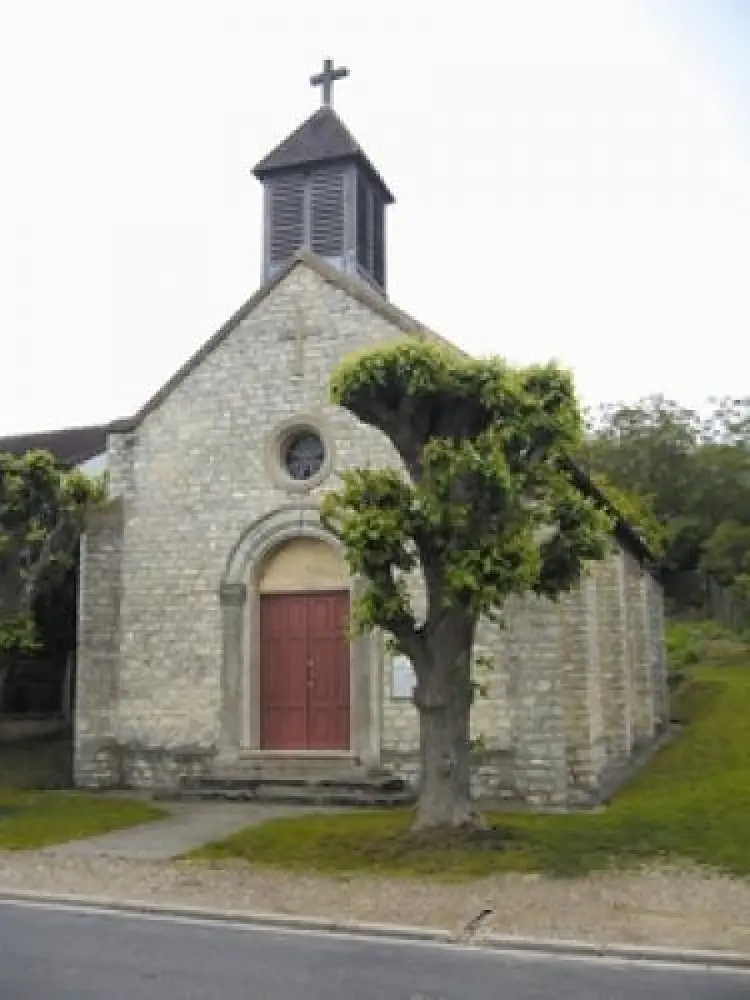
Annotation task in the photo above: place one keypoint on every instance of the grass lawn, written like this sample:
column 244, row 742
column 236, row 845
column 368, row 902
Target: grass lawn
column 691, row 802
column 30, row 820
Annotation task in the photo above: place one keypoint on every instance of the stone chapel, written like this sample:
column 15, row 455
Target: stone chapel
column 213, row 604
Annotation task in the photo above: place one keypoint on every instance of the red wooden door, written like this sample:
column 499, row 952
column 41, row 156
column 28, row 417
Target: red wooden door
column 328, row 650
column 305, row 703
column 283, row 636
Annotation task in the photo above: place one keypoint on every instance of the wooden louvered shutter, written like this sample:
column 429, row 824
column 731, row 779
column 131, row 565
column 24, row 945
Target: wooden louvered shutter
column 287, row 218
column 363, row 222
column 327, row 213
column 378, row 241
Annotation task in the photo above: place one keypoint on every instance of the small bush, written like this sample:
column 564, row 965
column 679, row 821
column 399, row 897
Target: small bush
column 707, row 643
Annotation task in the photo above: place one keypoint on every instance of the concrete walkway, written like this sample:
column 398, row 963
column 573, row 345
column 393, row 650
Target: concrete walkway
column 187, row 826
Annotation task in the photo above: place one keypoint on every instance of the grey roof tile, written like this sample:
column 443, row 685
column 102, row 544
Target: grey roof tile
column 321, row 138
column 70, row 446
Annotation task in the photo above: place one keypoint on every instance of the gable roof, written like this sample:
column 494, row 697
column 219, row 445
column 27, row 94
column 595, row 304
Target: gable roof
column 352, row 286
column 322, row 138
column 624, row 532
column 70, row 446
column 75, row 445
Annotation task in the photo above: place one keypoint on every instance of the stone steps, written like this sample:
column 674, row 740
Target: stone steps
column 342, row 789
column 282, row 768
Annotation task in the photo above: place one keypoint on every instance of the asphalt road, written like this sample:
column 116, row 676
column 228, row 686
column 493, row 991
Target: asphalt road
column 62, row 954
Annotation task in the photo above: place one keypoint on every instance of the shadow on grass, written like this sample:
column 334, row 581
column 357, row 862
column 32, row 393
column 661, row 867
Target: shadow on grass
column 42, row 762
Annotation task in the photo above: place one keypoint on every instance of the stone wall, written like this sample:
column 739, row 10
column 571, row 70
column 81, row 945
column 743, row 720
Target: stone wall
column 657, row 655
column 96, row 760
column 576, row 685
column 192, row 477
column 578, row 688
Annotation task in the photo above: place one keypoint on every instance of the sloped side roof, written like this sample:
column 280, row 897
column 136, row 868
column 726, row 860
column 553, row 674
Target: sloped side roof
column 71, row 446
column 322, row 137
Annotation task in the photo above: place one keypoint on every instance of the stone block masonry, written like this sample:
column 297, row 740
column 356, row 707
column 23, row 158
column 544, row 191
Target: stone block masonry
column 169, row 641
column 95, row 745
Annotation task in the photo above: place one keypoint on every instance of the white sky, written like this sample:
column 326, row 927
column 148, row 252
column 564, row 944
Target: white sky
column 571, row 178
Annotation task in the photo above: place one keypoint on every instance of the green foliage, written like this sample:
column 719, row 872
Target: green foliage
column 691, row 470
column 43, row 508
column 726, row 554
column 487, row 508
column 704, row 642
column 638, row 512
column 690, row 803
column 18, row 635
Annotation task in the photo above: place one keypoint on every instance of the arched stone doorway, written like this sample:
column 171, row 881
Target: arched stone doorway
column 304, row 690
column 294, row 683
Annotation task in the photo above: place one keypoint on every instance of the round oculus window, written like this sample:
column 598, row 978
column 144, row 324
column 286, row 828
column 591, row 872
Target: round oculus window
column 303, row 455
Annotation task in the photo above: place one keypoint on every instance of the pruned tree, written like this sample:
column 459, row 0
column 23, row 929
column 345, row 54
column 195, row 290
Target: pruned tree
column 484, row 507
column 43, row 509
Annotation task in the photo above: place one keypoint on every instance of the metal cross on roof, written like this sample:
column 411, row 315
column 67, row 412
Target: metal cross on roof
column 326, row 80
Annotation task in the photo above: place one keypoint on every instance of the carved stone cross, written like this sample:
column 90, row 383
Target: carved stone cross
column 298, row 335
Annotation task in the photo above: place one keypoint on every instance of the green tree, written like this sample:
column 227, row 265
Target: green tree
column 726, row 554
column 483, row 508
column 43, row 508
column 691, row 468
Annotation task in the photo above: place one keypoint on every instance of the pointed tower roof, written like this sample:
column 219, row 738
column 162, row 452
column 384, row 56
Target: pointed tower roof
column 322, row 138
column 321, row 193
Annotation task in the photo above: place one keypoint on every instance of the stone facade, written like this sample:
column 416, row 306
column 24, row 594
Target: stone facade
column 576, row 693
column 168, row 676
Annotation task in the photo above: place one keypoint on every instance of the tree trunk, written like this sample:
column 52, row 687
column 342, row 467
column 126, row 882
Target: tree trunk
column 443, row 698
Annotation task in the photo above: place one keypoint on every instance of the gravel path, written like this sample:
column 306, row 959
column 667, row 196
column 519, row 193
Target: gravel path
column 659, row 906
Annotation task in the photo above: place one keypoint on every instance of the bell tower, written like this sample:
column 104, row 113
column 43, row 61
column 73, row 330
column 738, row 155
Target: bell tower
column 322, row 193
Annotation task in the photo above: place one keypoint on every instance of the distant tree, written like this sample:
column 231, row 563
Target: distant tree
column 726, row 554
column 691, row 468
column 43, row 508
column 483, row 508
